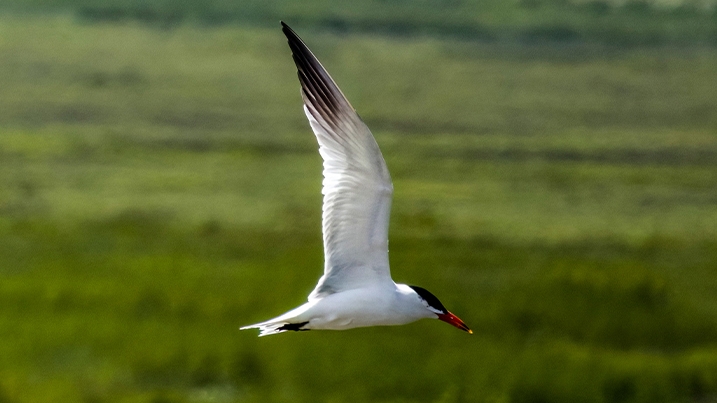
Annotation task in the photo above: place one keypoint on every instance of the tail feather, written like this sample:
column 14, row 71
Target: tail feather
column 265, row 329
column 269, row 328
column 293, row 320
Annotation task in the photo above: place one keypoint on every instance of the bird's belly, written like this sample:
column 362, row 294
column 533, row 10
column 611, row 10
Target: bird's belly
column 349, row 310
column 343, row 322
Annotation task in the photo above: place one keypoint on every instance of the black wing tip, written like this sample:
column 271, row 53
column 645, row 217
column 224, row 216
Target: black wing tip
column 290, row 34
column 295, row 42
column 315, row 81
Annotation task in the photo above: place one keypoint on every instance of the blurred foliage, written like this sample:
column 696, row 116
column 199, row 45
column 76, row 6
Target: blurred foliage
column 161, row 187
column 615, row 22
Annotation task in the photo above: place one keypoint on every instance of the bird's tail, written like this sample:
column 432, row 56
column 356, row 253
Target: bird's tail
column 266, row 329
column 275, row 327
column 292, row 320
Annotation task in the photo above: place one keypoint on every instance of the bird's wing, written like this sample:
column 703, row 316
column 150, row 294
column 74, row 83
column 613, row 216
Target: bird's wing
column 357, row 187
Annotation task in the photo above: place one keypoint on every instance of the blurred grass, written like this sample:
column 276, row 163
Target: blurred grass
column 615, row 22
column 160, row 188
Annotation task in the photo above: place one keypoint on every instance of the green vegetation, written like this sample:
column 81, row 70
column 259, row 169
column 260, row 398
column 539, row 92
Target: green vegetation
column 614, row 22
column 160, row 188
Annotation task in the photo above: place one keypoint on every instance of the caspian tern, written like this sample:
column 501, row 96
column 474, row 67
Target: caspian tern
column 356, row 289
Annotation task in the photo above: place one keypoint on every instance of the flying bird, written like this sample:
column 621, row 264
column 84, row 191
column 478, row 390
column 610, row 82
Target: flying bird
column 356, row 289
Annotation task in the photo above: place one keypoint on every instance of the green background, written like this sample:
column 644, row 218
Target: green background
column 555, row 174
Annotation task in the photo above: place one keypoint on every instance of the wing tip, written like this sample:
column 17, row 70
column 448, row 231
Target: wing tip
column 318, row 86
column 289, row 33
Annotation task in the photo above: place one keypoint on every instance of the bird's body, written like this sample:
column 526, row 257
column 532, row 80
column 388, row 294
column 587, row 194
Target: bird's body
column 382, row 305
column 356, row 289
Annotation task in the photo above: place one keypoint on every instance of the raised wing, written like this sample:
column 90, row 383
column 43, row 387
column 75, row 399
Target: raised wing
column 357, row 187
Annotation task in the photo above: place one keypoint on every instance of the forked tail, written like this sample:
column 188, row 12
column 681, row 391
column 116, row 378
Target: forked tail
column 269, row 328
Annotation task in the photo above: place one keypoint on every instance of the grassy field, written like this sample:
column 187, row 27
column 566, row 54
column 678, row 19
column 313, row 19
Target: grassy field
column 614, row 22
column 160, row 188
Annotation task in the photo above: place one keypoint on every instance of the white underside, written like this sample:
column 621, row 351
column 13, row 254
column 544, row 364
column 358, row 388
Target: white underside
column 381, row 305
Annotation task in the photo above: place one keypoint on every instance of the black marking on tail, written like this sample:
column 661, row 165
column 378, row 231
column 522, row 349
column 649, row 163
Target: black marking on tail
column 297, row 327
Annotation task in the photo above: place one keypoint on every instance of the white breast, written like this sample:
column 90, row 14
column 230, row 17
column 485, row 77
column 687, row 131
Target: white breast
column 368, row 306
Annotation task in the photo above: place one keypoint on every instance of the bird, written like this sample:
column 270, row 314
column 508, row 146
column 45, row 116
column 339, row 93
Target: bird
column 356, row 288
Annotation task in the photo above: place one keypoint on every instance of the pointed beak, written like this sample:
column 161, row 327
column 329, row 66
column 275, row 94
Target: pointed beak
column 455, row 321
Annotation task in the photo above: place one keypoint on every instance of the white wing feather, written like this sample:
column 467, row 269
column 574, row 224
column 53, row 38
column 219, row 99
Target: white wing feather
column 357, row 187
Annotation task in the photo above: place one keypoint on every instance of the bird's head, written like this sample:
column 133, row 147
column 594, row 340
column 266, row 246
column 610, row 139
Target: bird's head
column 434, row 305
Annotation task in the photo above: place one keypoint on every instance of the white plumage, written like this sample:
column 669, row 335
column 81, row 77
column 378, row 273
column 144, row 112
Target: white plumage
column 356, row 289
